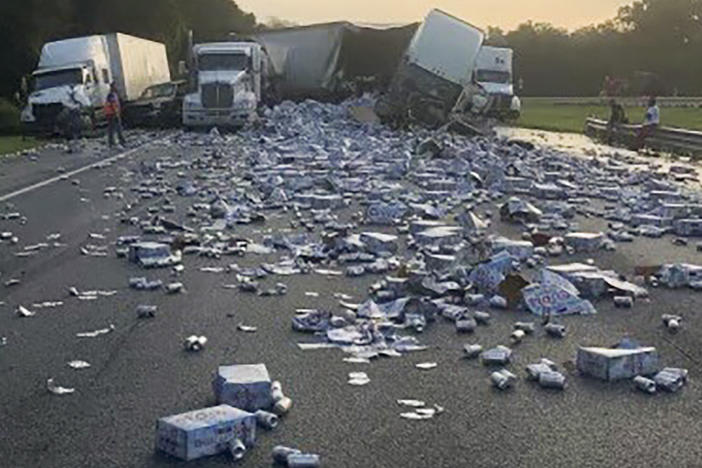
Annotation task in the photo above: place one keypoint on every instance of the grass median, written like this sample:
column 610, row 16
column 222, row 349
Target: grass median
column 10, row 141
column 12, row 144
column 571, row 117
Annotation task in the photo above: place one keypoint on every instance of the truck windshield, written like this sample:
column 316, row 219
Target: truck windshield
column 493, row 76
column 214, row 62
column 73, row 76
column 158, row 91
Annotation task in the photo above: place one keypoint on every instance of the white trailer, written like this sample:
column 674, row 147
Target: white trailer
column 77, row 73
column 136, row 64
column 436, row 68
column 446, row 46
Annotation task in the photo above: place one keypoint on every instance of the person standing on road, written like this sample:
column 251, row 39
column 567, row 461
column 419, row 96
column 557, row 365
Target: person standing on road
column 70, row 123
column 651, row 122
column 113, row 112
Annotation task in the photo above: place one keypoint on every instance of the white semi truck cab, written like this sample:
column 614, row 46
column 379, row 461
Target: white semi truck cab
column 493, row 72
column 77, row 73
column 228, row 78
column 70, row 72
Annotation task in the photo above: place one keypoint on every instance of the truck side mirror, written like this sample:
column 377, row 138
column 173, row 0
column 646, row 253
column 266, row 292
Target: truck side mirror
column 256, row 62
column 182, row 68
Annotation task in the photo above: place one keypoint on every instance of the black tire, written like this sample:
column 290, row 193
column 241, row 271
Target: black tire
column 429, row 112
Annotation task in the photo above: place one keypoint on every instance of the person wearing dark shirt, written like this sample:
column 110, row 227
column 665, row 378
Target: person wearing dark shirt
column 617, row 117
column 70, row 122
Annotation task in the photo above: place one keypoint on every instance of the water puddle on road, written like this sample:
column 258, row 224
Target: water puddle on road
column 581, row 145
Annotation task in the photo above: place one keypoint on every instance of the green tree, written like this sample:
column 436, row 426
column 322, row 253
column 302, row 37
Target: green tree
column 648, row 38
column 25, row 25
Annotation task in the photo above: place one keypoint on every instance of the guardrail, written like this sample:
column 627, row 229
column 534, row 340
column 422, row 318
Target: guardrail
column 684, row 101
column 667, row 139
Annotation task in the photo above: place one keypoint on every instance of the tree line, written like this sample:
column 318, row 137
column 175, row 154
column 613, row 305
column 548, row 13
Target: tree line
column 651, row 46
column 25, row 25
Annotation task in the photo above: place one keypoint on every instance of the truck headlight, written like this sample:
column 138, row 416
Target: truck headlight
column 27, row 114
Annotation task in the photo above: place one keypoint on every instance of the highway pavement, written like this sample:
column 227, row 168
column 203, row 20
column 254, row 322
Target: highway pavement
column 140, row 371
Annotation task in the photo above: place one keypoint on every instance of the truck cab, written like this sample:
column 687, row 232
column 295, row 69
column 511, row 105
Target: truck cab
column 77, row 72
column 72, row 73
column 493, row 72
column 228, row 78
column 53, row 89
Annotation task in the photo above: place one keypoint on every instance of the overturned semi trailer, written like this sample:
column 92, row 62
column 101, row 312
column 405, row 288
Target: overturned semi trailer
column 434, row 81
column 330, row 61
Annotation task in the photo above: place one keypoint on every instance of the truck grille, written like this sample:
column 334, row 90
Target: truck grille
column 217, row 95
column 46, row 114
column 502, row 101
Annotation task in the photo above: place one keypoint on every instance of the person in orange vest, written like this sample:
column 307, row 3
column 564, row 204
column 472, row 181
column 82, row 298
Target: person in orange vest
column 114, row 117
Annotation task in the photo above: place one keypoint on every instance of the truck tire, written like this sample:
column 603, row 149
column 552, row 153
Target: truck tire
column 383, row 108
column 429, row 112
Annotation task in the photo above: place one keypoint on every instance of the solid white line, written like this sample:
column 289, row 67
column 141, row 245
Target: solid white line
column 67, row 175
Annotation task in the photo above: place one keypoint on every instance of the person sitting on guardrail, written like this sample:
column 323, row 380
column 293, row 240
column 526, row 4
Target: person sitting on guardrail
column 651, row 121
column 113, row 112
column 617, row 117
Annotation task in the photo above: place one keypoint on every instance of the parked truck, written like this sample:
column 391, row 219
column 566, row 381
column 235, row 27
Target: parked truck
column 78, row 72
column 229, row 81
column 436, row 70
column 493, row 71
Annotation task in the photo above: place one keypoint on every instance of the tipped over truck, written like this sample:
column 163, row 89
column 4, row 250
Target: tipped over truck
column 434, row 73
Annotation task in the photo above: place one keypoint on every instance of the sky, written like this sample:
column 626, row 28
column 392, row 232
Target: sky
column 506, row 14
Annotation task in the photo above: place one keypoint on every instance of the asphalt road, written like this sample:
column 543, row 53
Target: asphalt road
column 140, row 372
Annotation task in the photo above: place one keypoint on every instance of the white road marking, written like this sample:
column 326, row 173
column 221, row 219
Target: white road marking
column 67, row 175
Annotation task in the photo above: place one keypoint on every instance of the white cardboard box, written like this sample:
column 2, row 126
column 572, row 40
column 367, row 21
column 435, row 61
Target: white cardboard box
column 616, row 364
column 204, row 432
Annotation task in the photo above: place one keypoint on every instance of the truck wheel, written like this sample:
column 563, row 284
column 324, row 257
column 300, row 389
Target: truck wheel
column 428, row 112
column 383, row 108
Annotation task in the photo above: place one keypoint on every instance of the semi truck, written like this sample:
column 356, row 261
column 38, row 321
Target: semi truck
column 435, row 71
column 493, row 72
column 77, row 73
column 229, row 81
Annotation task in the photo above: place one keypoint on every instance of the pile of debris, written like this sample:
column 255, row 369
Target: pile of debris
column 247, row 399
column 418, row 209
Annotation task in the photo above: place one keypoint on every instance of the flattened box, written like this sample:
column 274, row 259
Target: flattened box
column 245, row 386
column 616, row 364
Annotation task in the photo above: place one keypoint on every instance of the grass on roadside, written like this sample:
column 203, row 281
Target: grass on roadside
column 12, row 144
column 571, row 118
